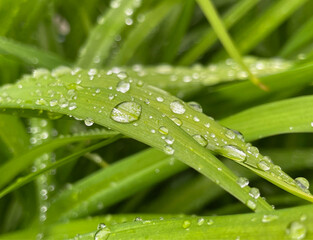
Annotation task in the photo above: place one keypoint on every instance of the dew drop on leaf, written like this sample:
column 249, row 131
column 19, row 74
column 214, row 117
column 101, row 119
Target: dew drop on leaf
column 296, row 230
column 195, row 106
column 200, row 221
column 263, row 165
column 186, row 224
column 233, row 152
column 251, row 204
column 123, row 87
column 302, row 183
column 126, row 112
column 168, row 150
column 103, row 233
column 200, row 139
column 254, row 192
column 242, row 182
column 88, row 122
column 177, row 121
column 177, row 107
column 269, row 218
column 163, row 130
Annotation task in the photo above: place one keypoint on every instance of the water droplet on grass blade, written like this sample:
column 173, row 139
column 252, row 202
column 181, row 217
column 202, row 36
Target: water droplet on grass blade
column 195, row 106
column 126, row 112
column 233, row 152
column 296, row 230
column 302, row 183
column 88, row 122
column 186, row 224
column 123, row 87
column 103, row 233
column 177, row 107
column 242, row 182
column 168, row 150
column 201, row 140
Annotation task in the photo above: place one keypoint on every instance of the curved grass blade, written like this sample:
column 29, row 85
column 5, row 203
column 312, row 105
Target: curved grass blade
column 16, row 165
column 286, row 116
column 230, row 18
column 24, row 180
column 97, row 47
column 31, row 54
column 141, row 31
column 212, row 15
column 145, row 113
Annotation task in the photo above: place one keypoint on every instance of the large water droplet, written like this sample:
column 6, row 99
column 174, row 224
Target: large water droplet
column 177, row 107
column 302, row 183
column 89, row 122
column 296, row 230
column 201, row 140
column 163, row 130
column 254, row 192
column 233, row 152
column 263, row 165
column 126, row 112
column 169, row 150
column 177, row 121
column 123, row 87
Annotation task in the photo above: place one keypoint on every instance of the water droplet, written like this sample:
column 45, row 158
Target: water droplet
column 122, row 75
column 233, row 152
column 196, row 119
column 123, row 87
column 169, row 140
column 160, row 99
column 138, row 219
column 102, row 234
column 269, row 218
column 200, row 139
column 177, row 107
column 163, row 130
column 168, row 150
column 254, row 192
column 186, row 224
column 207, row 125
column 296, row 230
column 302, row 183
column 251, row 204
column 200, row 221
column 101, row 226
column 230, row 134
column 195, row 106
column 89, row 122
column 210, row 222
column 53, row 102
column 263, row 165
column 242, row 182
column 126, row 112
column 177, row 121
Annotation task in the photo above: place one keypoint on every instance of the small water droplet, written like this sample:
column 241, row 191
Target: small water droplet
column 251, row 204
column 169, row 140
column 89, row 122
column 123, row 87
column 126, row 112
column 177, row 121
column 230, row 134
column 102, row 234
column 296, row 230
column 195, row 106
column 53, row 102
column 177, row 107
column 234, row 152
column 186, row 224
column 196, row 119
column 200, row 139
column 242, row 182
column 163, row 130
column 200, row 221
column 269, row 218
column 263, row 165
column 168, row 150
column 160, row 99
column 138, row 219
column 254, row 192
column 210, row 222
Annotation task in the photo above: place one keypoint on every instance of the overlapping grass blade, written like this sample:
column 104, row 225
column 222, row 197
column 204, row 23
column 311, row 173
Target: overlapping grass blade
column 12, row 168
column 260, row 27
column 141, row 102
column 98, row 45
column 31, row 54
column 151, row 19
column 212, row 15
column 286, row 116
column 230, row 18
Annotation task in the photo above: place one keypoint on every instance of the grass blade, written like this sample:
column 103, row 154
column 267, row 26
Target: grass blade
column 211, row 14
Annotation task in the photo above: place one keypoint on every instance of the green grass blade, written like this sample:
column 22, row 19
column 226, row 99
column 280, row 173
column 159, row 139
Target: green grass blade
column 259, row 28
column 30, row 177
column 112, row 184
column 30, row 54
column 230, row 18
column 146, row 103
column 98, row 45
column 299, row 39
column 211, row 14
column 286, row 116
column 13, row 167
column 141, row 31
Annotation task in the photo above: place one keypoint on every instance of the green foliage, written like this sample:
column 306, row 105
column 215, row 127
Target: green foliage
column 104, row 134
